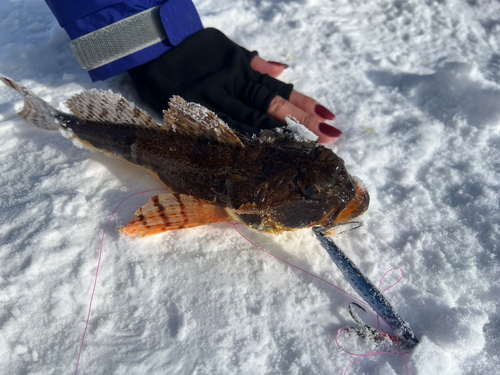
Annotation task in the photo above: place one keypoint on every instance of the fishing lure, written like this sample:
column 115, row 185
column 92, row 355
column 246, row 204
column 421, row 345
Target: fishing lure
column 406, row 339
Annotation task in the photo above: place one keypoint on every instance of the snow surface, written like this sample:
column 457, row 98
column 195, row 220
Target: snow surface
column 415, row 86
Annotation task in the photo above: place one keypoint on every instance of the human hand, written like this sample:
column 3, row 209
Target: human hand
column 209, row 69
column 305, row 109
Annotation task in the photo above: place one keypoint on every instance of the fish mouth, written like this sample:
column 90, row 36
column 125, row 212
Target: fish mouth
column 357, row 206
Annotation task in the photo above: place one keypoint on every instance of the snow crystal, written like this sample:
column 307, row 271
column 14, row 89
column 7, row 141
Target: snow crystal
column 68, row 134
column 21, row 349
column 300, row 132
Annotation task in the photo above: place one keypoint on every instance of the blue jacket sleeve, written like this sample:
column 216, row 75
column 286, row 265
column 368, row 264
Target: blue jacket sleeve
column 179, row 19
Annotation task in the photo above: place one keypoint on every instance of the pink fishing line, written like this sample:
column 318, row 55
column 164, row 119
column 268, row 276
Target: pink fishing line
column 97, row 271
column 358, row 356
column 294, row 266
column 379, row 326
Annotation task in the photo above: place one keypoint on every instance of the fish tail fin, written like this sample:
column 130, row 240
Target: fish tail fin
column 36, row 110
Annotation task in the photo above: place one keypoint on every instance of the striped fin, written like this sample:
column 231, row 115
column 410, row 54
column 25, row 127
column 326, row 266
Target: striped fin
column 167, row 212
column 196, row 120
column 107, row 106
column 36, row 110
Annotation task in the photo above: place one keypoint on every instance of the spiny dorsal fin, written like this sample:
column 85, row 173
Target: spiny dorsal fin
column 167, row 212
column 107, row 106
column 196, row 120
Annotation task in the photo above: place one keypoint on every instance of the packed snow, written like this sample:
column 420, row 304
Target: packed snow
column 415, row 86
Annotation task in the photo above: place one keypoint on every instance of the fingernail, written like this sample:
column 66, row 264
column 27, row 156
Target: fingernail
column 329, row 130
column 285, row 66
column 323, row 112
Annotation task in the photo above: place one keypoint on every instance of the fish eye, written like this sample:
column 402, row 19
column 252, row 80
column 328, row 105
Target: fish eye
column 310, row 186
column 311, row 191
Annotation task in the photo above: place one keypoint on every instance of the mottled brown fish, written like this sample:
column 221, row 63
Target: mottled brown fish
column 273, row 182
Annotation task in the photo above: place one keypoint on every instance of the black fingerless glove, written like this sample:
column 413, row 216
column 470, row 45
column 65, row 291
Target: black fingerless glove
column 209, row 69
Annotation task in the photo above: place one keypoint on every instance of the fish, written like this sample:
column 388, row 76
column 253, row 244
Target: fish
column 273, row 182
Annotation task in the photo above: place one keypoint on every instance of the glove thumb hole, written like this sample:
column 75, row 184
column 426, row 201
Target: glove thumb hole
column 256, row 96
column 248, row 54
column 282, row 89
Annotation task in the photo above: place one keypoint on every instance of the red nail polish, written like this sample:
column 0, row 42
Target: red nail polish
column 323, row 112
column 278, row 64
column 329, row 130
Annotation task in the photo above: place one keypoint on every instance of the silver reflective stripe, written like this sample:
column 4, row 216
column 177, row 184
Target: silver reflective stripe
column 119, row 39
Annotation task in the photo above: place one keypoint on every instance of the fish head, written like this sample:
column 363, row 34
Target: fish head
column 321, row 192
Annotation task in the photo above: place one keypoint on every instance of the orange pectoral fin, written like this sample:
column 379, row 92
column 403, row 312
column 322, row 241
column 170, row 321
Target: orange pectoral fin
column 174, row 211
